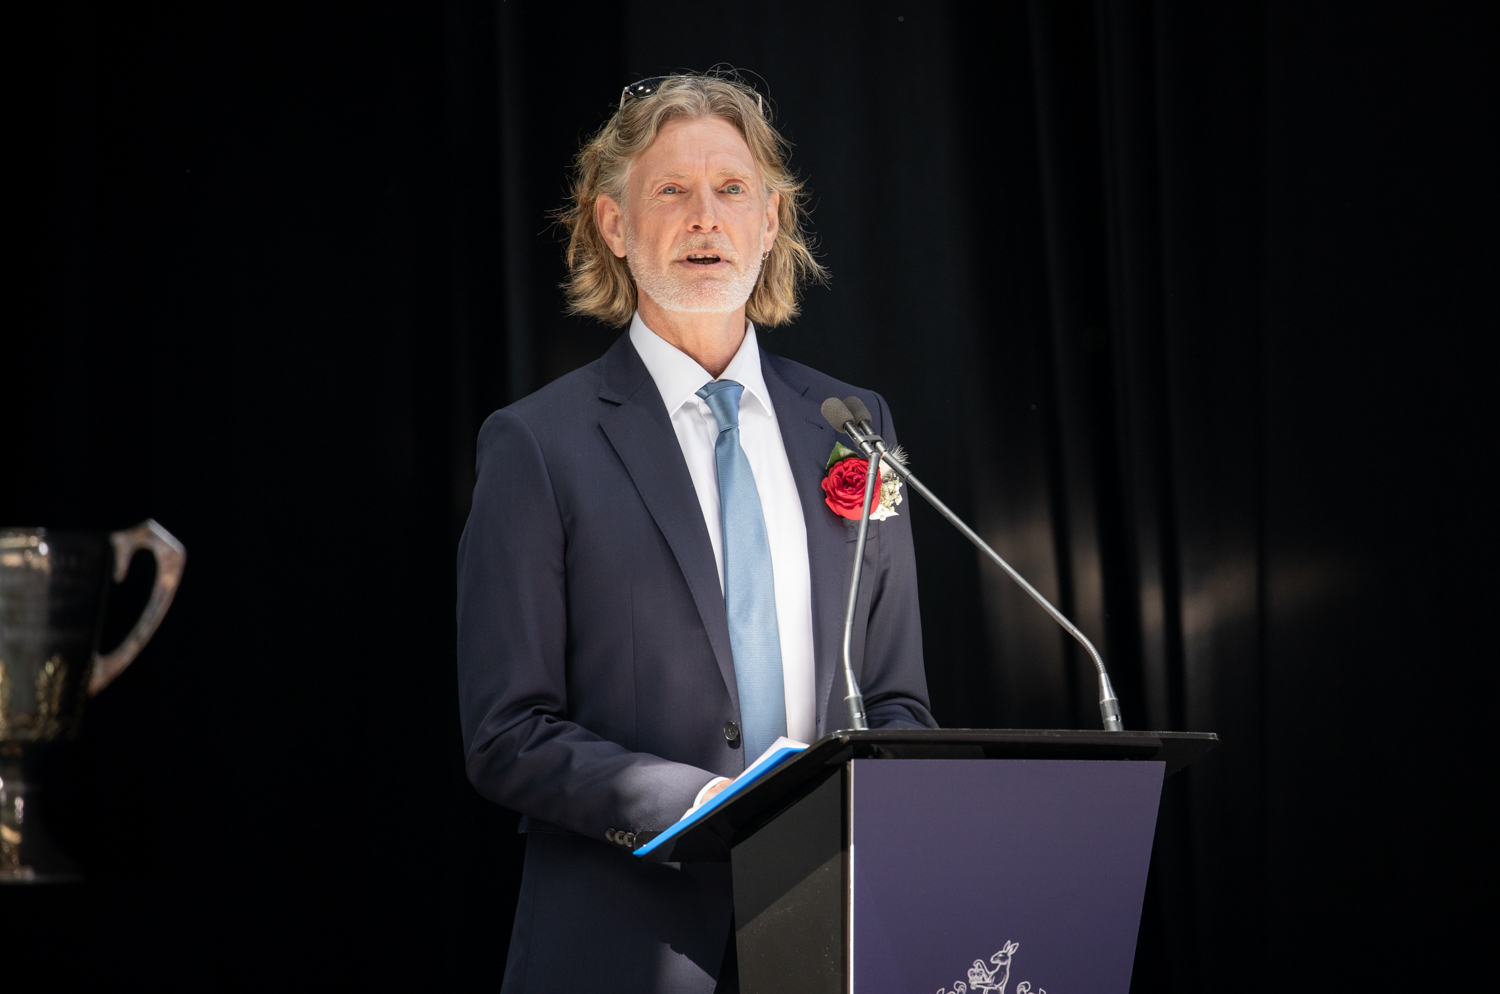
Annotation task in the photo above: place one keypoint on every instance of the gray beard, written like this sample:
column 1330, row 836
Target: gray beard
column 692, row 296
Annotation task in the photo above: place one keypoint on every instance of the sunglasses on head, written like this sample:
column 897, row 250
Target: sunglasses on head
column 648, row 87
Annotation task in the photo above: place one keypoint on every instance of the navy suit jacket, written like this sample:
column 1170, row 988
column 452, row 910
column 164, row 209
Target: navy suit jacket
column 595, row 671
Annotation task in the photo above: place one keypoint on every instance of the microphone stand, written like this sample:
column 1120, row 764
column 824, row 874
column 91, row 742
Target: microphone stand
column 853, row 699
column 873, row 445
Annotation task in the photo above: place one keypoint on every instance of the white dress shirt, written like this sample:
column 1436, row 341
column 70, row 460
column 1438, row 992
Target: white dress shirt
column 678, row 377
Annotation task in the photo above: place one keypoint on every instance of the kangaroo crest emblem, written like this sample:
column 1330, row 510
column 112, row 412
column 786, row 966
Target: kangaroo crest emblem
column 992, row 979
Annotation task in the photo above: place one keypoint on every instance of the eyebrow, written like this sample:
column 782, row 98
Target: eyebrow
column 720, row 174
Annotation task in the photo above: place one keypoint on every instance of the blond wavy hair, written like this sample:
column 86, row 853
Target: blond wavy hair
column 599, row 282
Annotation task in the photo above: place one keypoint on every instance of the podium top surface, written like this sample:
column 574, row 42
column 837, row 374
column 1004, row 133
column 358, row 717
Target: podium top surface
column 712, row 837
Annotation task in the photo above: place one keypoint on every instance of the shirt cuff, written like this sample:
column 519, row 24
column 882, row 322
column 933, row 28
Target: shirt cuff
column 698, row 801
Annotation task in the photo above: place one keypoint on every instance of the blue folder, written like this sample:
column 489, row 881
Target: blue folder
column 772, row 758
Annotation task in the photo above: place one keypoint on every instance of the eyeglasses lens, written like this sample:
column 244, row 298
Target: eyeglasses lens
column 645, row 87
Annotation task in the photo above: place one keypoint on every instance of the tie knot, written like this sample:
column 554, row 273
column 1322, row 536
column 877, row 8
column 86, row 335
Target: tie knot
column 723, row 398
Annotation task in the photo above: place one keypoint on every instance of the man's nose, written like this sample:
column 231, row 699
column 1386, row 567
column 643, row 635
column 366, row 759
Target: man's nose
column 703, row 215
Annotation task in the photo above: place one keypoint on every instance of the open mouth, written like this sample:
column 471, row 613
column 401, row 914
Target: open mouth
column 703, row 259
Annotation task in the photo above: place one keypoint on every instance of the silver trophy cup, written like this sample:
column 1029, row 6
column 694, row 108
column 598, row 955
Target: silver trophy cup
column 53, row 586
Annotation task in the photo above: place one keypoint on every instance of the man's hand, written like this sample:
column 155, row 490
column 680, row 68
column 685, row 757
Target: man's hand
column 709, row 790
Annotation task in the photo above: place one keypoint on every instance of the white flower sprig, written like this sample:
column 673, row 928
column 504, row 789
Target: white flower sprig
column 890, row 487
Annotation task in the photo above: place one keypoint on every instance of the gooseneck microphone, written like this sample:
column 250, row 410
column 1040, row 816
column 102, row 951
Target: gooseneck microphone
column 853, row 700
column 852, row 417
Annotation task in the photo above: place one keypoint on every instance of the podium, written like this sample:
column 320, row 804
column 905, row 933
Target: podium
column 947, row 860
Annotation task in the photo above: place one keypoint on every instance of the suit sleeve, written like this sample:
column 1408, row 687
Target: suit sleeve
column 522, row 751
column 894, row 680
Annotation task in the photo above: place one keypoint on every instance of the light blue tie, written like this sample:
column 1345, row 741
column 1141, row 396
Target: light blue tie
column 749, row 584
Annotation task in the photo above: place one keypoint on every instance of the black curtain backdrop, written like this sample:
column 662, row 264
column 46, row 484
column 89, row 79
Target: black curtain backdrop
column 1184, row 305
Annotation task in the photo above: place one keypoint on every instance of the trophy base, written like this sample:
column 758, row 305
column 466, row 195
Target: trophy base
column 29, row 875
column 23, row 875
column 27, row 855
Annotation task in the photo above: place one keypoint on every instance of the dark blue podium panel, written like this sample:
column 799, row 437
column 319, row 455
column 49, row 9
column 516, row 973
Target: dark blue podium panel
column 999, row 876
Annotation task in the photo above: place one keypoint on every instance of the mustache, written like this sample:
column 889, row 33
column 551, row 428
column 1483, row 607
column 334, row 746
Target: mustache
column 718, row 245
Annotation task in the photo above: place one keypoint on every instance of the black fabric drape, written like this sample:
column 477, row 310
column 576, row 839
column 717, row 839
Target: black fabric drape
column 1184, row 306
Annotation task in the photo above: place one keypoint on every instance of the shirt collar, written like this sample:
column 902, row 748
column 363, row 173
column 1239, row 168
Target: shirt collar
column 679, row 377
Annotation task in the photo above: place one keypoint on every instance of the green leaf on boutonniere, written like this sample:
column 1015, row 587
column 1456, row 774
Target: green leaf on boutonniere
column 840, row 452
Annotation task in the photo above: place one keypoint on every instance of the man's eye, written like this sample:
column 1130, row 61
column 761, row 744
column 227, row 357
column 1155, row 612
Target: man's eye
column 734, row 188
column 669, row 189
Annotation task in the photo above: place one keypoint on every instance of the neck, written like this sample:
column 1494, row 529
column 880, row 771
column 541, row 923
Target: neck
column 711, row 340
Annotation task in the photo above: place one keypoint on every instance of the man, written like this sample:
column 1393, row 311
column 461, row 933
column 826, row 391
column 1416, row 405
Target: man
column 651, row 585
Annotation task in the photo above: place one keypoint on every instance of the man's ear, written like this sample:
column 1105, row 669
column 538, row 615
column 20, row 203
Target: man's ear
column 773, row 221
column 611, row 221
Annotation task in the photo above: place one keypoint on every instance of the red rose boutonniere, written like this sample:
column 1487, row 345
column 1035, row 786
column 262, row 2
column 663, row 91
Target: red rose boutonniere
column 844, row 486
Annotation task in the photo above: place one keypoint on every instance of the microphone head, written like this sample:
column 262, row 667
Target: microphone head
column 858, row 409
column 836, row 413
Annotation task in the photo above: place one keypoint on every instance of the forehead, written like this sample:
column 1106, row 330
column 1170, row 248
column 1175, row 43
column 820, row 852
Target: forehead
column 704, row 145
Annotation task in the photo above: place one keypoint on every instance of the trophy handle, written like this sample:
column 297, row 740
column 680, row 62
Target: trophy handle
column 170, row 556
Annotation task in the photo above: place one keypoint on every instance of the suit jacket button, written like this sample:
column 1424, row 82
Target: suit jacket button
column 731, row 731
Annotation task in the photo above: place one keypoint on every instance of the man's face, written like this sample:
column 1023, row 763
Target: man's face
column 696, row 218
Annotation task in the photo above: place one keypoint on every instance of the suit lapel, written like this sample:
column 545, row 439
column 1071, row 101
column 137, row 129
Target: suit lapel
column 809, row 440
column 642, row 436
